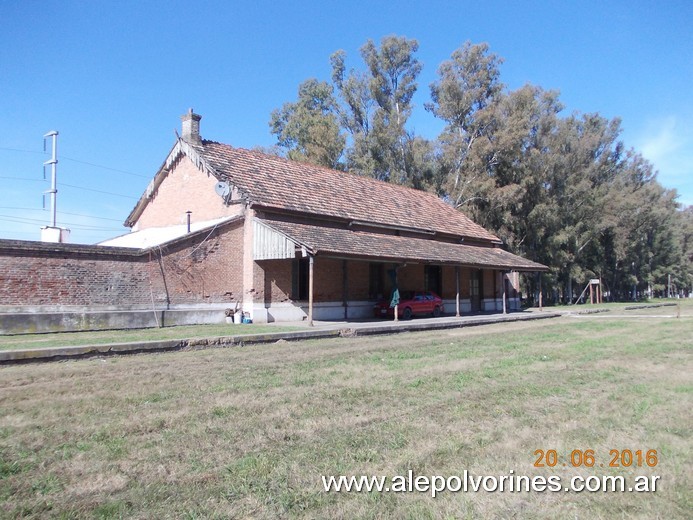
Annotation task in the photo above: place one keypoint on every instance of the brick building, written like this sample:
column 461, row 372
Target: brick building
column 221, row 227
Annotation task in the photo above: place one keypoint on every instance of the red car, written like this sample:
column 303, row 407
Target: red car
column 411, row 303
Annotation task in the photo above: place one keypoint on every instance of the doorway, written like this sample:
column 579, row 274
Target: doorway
column 475, row 289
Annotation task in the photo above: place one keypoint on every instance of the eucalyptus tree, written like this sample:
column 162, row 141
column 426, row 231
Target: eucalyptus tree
column 309, row 129
column 375, row 107
column 464, row 95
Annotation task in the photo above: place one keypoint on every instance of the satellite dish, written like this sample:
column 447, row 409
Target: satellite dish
column 223, row 189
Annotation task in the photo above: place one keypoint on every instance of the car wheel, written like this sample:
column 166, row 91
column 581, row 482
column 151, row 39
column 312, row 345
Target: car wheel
column 436, row 312
column 406, row 315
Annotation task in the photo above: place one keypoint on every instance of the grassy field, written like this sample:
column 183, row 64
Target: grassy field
column 64, row 339
column 248, row 432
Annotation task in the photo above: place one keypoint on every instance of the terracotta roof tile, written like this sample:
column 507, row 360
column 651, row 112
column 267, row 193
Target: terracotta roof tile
column 274, row 182
column 347, row 242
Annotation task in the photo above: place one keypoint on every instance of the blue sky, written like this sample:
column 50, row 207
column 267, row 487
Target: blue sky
column 114, row 77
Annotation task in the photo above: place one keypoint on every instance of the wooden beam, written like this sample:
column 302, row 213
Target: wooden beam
column 495, row 291
column 591, row 295
column 457, row 296
column 541, row 297
column 345, row 289
column 505, row 308
column 311, row 261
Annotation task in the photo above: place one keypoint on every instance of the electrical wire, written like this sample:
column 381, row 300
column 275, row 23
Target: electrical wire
column 99, row 191
column 73, row 186
column 24, row 151
column 21, row 179
column 63, row 213
column 106, row 167
column 76, row 225
column 62, row 157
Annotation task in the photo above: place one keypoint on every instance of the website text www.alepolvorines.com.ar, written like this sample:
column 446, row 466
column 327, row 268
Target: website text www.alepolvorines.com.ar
column 509, row 483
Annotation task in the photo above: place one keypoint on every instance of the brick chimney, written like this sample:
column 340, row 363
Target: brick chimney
column 191, row 127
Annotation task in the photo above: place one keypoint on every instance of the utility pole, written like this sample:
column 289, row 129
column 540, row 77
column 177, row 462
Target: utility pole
column 53, row 162
column 53, row 233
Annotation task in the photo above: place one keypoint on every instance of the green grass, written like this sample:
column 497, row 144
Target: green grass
column 621, row 306
column 65, row 339
column 248, row 432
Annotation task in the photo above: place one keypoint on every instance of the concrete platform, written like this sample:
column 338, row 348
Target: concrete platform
column 325, row 329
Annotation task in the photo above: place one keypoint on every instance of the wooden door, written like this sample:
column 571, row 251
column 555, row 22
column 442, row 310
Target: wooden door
column 475, row 289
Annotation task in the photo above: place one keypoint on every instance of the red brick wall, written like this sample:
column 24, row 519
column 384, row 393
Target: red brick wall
column 449, row 282
column 411, row 277
column 359, row 279
column 328, row 280
column 273, row 281
column 185, row 189
column 490, row 284
column 68, row 280
column 465, row 275
column 202, row 269
column 204, row 272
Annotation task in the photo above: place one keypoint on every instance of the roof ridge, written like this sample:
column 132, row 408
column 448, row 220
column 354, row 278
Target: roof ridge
column 325, row 169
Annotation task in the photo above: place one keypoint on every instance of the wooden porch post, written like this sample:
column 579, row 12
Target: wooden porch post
column 310, row 290
column 457, row 296
column 591, row 295
column 505, row 309
column 345, row 288
column 541, row 299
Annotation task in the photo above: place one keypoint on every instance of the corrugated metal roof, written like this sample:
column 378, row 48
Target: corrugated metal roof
column 155, row 236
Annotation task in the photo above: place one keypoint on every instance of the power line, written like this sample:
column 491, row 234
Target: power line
column 64, row 158
column 25, row 151
column 107, row 168
column 98, row 191
column 120, row 220
column 26, row 220
column 22, row 179
column 64, row 213
column 72, row 186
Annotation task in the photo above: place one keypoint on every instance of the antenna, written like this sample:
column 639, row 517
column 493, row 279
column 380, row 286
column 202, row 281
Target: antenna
column 53, row 162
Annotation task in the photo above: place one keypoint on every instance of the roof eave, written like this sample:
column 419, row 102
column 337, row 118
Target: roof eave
column 391, row 259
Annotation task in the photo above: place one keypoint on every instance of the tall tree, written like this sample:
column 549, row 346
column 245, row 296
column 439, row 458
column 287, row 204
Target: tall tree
column 468, row 86
column 309, row 129
column 686, row 226
column 376, row 105
column 559, row 190
column 584, row 161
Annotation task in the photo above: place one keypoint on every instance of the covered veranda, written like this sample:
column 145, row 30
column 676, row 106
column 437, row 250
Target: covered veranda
column 344, row 269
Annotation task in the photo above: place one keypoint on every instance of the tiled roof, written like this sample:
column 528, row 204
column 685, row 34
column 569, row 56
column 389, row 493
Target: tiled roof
column 274, row 182
column 348, row 242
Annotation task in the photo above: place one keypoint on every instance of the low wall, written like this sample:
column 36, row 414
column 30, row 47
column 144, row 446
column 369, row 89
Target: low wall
column 324, row 311
column 78, row 320
column 47, row 287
